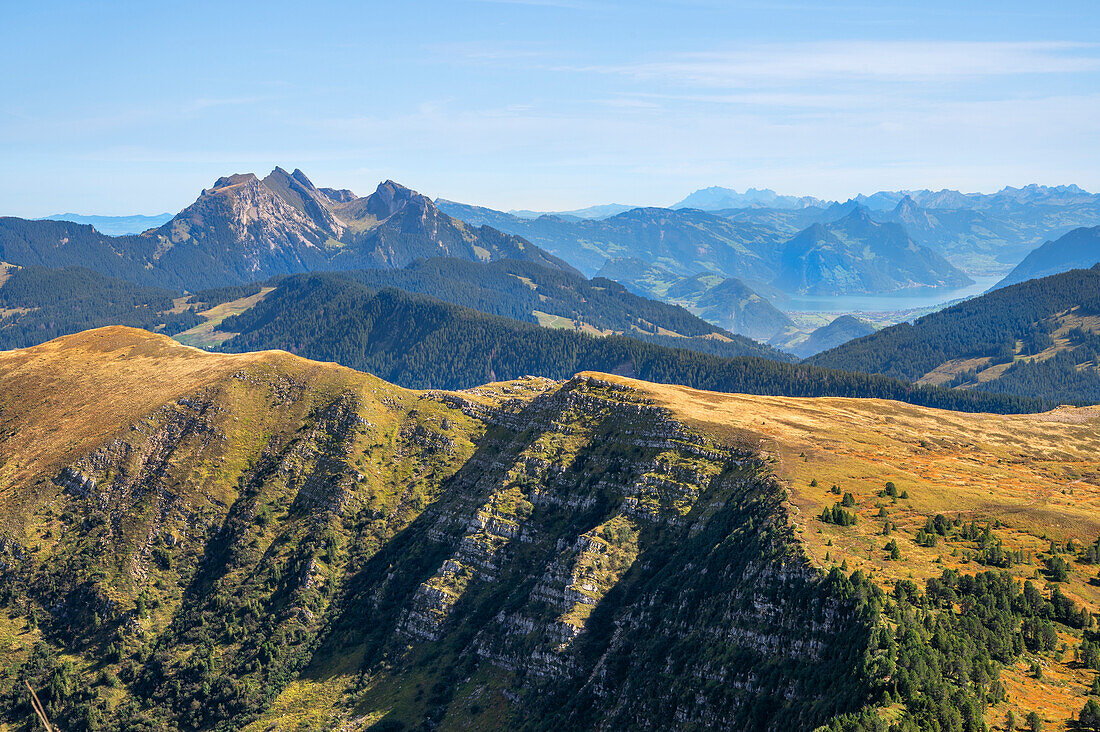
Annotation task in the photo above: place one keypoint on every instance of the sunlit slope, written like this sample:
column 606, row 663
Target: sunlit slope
column 1039, row 470
column 215, row 539
column 265, row 542
column 1033, row 480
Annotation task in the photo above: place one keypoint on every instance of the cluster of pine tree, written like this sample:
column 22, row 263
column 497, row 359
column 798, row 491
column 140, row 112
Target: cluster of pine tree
column 944, row 648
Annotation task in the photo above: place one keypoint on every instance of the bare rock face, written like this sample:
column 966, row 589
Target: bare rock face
column 284, row 224
column 297, row 190
column 567, row 552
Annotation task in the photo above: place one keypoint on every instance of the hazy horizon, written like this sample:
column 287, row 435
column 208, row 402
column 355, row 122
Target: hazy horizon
column 595, row 204
column 544, row 104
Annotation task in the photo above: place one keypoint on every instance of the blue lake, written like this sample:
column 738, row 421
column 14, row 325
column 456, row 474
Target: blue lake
column 905, row 300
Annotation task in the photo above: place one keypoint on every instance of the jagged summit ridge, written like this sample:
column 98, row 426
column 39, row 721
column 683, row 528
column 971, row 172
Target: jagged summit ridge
column 244, row 228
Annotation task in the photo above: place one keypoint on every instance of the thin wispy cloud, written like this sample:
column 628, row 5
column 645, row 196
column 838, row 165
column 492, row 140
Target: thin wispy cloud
column 758, row 64
column 572, row 4
column 204, row 103
column 549, row 103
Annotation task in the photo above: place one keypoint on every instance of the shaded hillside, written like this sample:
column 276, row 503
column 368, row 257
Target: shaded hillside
column 37, row 304
column 421, row 342
column 1038, row 338
column 1079, row 249
column 205, row 541
column 536, row 294
column 245, row 229
column 59, row 244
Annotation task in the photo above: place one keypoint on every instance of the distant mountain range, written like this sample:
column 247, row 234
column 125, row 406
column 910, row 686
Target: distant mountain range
column 114, row 225
column 1079, row 249
column 856, row 254
column 716, row 198
column 852, row 255
column 685, row 242
column 244, row 229
column 982, row 234
column 590, row 212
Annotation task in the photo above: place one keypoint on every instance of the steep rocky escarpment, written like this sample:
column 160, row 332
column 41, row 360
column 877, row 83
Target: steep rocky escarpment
column 599, row 540
column 240, row 533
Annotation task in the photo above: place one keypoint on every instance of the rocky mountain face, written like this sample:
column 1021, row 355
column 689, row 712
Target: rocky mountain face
column 242, row 224
column 244, row 229
column 284, row 224
column 859, row 255
column 247, row 529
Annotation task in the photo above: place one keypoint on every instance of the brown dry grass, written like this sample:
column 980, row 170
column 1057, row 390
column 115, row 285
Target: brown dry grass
column 1037, row 474
column 64, row 398
column 948, row 369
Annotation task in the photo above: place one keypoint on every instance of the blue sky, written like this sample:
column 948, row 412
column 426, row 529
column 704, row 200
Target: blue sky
column 118, row 108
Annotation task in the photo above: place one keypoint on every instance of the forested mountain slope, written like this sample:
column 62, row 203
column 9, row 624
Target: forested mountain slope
column 257, row 541
column 421, row 342
column 1079, row 249
column 1040, row 338
column 534, row 293
column 38, row 303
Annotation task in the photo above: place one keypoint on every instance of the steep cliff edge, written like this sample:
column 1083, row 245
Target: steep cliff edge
column 201, row 541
